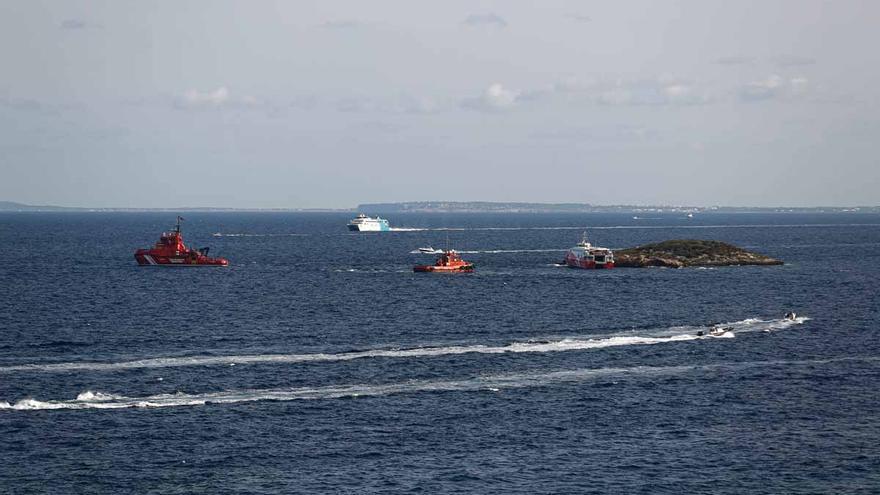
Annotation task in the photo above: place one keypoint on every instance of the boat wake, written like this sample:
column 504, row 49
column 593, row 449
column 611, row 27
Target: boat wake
column 491, row 251
column 489, row 384
column 634, row 227
column 501, row 251
column 221, row 234
column 558, row 344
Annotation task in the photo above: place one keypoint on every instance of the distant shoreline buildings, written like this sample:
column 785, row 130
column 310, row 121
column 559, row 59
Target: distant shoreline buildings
column 471, row 207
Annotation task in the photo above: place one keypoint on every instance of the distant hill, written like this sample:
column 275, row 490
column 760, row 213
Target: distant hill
column 475, row 206
column 13, row 206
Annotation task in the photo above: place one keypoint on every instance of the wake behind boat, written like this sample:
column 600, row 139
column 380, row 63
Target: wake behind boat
column 363, row 223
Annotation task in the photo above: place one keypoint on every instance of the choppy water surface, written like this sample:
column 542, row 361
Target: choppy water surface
column 319, row 362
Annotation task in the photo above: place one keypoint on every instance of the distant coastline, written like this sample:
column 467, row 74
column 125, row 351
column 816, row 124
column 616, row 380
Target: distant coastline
column 468, row 207
column 11, row 206
column 517, row 207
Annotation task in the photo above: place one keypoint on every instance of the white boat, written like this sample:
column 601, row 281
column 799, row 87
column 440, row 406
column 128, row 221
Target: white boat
column 428, row 250
column 363, row 223
column 721, row 332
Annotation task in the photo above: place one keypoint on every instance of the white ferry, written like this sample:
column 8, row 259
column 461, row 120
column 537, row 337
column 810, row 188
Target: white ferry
column 363, row 223
column 585, row 255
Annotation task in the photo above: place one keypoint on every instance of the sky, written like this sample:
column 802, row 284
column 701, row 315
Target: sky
column 328, row 104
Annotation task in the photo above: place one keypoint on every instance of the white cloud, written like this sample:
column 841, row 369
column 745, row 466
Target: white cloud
column 401, row 104
column 217, row 98
column 489, row 19
column 665, row 90
column 615, row 96
column 78, row 24
column 736, row 60
column 579, row 18
column 773, row 87
column 793, row 61
column 340, row 25
column 495, row 98
column 417, row 105
column 798, row 84
column 214, row 98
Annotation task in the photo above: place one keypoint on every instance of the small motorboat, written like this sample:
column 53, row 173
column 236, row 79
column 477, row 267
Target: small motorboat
column 428, row 250
column 448, row 262
column 790, row 316
column 718, row 331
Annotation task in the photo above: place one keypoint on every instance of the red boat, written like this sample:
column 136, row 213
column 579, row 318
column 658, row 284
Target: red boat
column 171, row 251
column 585, row 255
column 448, row 262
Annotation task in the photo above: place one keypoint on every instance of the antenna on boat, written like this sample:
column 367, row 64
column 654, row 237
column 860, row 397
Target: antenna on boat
column 177, row 229
column 584, row 239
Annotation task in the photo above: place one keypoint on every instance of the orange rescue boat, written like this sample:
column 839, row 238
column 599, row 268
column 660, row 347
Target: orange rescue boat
column 448, row 262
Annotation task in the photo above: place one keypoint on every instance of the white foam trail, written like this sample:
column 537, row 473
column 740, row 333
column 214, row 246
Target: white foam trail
column 492, row 251
column 221, row 234
column 659, row 336
column 500, row 251
column 640, row 227
column 492, row 383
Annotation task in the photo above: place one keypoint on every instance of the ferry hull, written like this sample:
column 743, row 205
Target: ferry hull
column 369, row 228
column 587, row 265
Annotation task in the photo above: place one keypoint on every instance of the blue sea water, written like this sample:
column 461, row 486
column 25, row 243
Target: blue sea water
column 318, row 362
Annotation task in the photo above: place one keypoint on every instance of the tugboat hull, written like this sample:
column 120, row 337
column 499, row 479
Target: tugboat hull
column 147, row 259
column 444, row 269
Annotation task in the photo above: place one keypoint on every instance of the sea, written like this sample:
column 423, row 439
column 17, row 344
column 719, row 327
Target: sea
column 318, row 362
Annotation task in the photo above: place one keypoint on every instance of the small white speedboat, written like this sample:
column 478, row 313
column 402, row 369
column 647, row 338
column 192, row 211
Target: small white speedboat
column 427, row 250
column 791, row 316
column 721, row 332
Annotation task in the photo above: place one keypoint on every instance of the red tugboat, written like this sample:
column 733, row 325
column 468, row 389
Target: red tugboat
column 171, row 251
column 448, row 262
column 585, row 255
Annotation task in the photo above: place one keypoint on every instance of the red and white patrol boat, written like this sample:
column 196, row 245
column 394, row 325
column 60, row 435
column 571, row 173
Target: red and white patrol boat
column 585, row 255
column 448, row 262
column 171, row 251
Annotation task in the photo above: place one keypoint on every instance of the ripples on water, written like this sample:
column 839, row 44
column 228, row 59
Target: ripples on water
column 319, row 361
